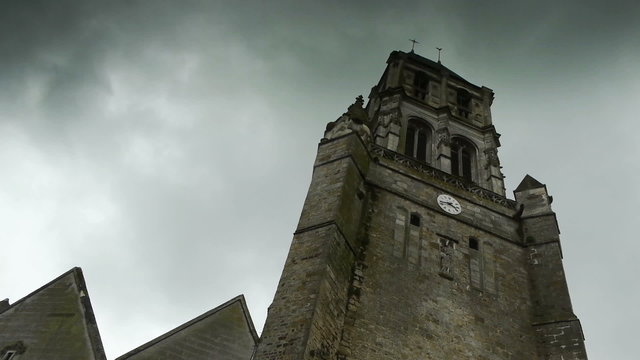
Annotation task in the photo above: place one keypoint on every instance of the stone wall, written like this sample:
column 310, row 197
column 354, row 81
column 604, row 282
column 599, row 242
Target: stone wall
column 377, row 270
column 561, row 340
column 306, row 318
column 418, row 296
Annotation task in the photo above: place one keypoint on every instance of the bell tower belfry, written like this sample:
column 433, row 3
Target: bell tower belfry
column 446, row 119
column 407, row 246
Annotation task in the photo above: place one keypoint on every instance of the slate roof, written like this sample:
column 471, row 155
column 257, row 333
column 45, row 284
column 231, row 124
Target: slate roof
column 54, row 322
column 226, row 332
column 438, row 66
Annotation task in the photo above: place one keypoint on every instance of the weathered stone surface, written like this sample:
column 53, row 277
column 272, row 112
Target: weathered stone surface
column 306, row 317
column 408, row 310
column 378, row 270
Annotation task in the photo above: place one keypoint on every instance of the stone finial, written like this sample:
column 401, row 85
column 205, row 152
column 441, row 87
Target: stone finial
column 356, row 111
column 355, row 119
column 492, row 157
column 529, row 183
column 444, row 137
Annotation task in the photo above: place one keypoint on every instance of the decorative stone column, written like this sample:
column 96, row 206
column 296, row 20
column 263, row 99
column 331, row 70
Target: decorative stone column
column 443, row 148
column 487, row 101
column 389, row 125
column 493, row 177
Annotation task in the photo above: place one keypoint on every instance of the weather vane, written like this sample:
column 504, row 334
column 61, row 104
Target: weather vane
column 439, row 50
column 413, row 43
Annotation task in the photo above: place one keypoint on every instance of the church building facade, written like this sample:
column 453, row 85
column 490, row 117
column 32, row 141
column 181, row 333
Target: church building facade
column 407, row 248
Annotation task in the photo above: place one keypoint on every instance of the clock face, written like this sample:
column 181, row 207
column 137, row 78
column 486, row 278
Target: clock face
column 449, row 204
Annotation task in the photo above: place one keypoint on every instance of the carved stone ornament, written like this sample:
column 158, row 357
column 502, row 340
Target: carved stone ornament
column 446, row 258
column 354, row 120
column 444, row 138
column 492, row 157
column 385, row 119
column 452, row 180
column 389, row 103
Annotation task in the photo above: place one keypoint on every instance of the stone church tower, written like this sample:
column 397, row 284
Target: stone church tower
column 407, row 246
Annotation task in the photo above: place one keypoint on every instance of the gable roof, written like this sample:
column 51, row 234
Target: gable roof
column 216, row 321
column 54, row 321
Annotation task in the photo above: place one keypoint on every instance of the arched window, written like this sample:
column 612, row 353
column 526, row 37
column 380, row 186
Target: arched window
column 463, row 155
column 417, row 140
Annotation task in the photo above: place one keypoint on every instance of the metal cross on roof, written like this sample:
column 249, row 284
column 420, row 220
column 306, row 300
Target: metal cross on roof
column 414, row 42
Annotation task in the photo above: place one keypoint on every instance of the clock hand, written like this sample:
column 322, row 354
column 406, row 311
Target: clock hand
column 453, row 205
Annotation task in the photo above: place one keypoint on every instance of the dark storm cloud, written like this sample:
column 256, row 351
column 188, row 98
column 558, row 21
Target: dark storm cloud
column 166, row 146
column 145, row 115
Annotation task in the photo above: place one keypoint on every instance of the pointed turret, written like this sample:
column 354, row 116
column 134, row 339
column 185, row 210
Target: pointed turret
column 556, row 325
column 528, row 183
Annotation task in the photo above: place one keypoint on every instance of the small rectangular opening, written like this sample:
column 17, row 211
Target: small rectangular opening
column 421, row 85
column 473, row 244
column 414, row 220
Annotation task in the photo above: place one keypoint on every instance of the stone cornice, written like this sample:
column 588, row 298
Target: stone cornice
column 436, row 110
column 442, row 176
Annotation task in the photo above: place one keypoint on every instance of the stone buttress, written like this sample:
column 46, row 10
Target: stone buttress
column 306, row 317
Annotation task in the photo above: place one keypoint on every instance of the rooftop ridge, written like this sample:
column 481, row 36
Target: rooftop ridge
column 240, row 299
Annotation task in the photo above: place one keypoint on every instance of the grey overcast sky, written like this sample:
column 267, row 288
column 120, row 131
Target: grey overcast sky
column 166, row 146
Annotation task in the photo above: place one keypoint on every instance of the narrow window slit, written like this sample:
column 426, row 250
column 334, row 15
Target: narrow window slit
column 418, row 140
column 473, row 244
